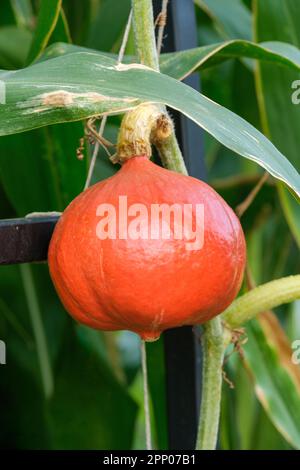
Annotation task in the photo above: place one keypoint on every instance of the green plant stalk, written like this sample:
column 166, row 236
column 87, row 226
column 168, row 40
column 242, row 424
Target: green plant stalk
column 213, row 355
column 262, row 298
column 38, row 330
column 145, row 45
column 170, row 155
column 213, row 344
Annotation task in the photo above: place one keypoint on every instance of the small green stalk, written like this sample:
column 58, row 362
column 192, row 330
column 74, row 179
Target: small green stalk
column 213, row 354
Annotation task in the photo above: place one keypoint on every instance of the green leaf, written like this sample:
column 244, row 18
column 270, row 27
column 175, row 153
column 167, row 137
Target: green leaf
column 46, row 174
column 82, row 84
column 61, row 31
column 79, row 15
column 108, row 25
column 234, row 21
column 276, row 385
column 47, row 19
column 157, row 386
column 6, row 14
column 181, row 64
column 14, row 46
column 19, row 392
column 275, row 92
column 90, row 409
column 291, row 210
column 23, row 12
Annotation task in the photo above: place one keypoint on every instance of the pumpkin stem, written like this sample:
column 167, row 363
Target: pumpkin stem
column 144, row 125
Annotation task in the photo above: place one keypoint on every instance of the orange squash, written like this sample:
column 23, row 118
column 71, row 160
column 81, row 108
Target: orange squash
column 135, row 281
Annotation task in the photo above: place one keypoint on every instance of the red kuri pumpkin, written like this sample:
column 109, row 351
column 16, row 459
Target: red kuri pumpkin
column 140, row 283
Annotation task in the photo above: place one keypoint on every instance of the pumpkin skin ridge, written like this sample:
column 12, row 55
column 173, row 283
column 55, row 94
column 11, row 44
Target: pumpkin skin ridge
column 149, row 324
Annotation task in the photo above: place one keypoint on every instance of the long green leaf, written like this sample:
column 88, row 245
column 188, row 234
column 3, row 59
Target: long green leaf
column 82, row 84
column 14, row 46
column 274, row 385
column 90, row 408
column 108, row 24
column 61, row 31
column 23, row 12
column 47, row 19
column 181, row 64
column 232, row 21
column 46, row 174
column 275, row 92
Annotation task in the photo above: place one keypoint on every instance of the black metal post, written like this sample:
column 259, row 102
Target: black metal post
column 182, row 349
column 25, row 240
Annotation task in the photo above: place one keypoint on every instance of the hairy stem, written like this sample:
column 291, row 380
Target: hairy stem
column 213, row 354
column 170, row 154
column 262, row 298
column 144, row 33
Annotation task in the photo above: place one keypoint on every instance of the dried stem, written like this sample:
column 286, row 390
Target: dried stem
column 161, row 22
column 243, row 206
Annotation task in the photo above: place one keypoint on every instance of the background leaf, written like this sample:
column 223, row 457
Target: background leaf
column 90, row 409
column 107, row 27
column 117, row 90
column 14, row 46
column 276, row 386
column 45, row 158
column 47, row 19
column 225, row 19
column 275, row 91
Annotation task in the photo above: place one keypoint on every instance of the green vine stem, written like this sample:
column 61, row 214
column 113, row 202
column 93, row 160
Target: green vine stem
column 170, row 154
column 145, row 44
column 262, row 298
column 213, row 354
